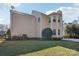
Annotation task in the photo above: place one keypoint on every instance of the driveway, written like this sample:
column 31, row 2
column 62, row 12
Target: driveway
column 75, row 40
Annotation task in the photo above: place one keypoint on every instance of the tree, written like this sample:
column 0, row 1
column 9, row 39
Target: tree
column 47, row 33
column 8, row 32
column 73, row 29
column 75, row 22
column 69, row 30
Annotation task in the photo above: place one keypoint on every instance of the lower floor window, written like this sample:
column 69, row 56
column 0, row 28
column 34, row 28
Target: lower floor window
column 58, row 31
column 54, row 31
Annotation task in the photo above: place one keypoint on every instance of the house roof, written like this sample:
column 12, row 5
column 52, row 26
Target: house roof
column 20, row 12
column 38, row 12
column 53, row 13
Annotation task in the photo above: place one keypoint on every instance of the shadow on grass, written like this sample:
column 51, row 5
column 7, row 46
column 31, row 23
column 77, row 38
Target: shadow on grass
column 21, row 47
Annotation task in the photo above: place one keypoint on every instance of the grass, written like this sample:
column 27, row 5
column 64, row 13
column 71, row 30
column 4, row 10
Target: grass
column 29, row 47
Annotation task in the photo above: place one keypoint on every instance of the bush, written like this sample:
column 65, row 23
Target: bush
column 15, row 38
column 24, row 36
column 60, row 38
column 8, row 37
column 47, row 34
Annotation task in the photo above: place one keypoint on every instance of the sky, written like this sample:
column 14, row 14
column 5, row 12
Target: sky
column 70, row 10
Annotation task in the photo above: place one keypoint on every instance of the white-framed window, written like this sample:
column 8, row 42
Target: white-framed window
column 59, row 18
column 54, row 31
column 58, row 31
column 54, row 18
column 38, row 19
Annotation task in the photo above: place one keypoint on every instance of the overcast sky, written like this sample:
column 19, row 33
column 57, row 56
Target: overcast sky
column 70, row 10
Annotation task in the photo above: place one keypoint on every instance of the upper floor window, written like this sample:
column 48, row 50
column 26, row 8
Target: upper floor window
column 58, row 31
column 38, row 19
column 59, row 18
column 54, row 18
column 54, row 31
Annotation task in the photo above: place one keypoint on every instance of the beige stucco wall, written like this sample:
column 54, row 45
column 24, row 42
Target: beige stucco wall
column 38, row 24
column 22, row 24
column 43, row 22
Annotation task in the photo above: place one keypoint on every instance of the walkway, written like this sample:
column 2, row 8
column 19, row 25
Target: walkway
column 75, row 40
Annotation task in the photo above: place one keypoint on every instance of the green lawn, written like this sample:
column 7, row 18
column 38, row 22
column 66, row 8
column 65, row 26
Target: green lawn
column 39, row 48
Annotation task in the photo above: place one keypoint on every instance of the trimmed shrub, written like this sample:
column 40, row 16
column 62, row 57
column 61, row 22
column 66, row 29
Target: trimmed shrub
column 47, row 34
column 24, row 36
column 13, row 38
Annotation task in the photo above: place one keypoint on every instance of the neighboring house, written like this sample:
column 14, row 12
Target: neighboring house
column 3, row 29
column 34, row 24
